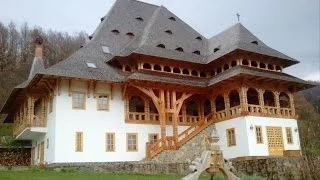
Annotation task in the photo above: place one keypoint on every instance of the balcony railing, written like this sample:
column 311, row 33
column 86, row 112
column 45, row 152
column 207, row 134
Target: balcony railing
column 35, row 122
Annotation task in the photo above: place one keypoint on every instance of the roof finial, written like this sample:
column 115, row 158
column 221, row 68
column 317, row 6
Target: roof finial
column 238, row 16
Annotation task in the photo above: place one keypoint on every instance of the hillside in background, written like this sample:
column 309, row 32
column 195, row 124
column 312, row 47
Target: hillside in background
column 16, row 54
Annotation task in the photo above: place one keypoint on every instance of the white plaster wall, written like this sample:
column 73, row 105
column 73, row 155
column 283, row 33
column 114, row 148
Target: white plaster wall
column 246, row 144
column 94, row 124
column 262, row 149
column 240, row 126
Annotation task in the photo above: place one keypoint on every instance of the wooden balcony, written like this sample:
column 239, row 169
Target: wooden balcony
column 29, row 129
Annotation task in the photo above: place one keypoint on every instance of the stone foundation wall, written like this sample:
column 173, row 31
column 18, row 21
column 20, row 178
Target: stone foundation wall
column 284, row 168
column 126, row 167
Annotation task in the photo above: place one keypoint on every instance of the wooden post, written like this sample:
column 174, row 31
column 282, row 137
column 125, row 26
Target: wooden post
column 276, row 94
column 162, row 114
column 261, row 99
column 292, row 104
column 227, row 103
column 243, row 99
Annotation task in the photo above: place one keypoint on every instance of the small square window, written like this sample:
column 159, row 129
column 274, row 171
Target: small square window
column 103, row 102
column 105, row 49
column 91, row 65
column 132, row 142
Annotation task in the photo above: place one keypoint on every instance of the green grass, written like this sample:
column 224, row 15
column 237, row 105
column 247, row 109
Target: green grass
column 51, row 175
column 66, row 174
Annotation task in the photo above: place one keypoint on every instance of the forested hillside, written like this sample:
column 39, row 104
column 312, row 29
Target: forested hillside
column 17, row 52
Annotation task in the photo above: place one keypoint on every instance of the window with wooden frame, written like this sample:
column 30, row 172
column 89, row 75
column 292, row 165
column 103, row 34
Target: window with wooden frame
column 259, row 136
column 153, row 137
column 79, row 142
column 289, row 135
column 78, row 100
column 103, row 103
column 110, row 142
column 132, row 142
column 231, row 137
column 50, row 104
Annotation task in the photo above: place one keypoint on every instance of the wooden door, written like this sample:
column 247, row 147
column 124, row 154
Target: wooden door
column 275, row 141
column 42, row 152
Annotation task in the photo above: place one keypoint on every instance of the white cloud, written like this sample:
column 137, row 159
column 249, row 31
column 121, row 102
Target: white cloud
column 314, row 76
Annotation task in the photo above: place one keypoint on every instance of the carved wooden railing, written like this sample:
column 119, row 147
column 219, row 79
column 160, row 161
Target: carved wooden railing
column 221, row 114
column 286, row 112
column 234, row 110
column 35, row 122
column 141, row 117
column 171, row 143
column 271, row 110
column 187, row 120
column 254, row 109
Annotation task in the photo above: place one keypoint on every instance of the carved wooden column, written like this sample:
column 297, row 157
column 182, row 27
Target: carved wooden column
column 146, row 108
column 162, row 113
column 226, row 103
column 30, row 110
column 261, row 99
column 243, row 99
column 277, row 101
column 293, row 110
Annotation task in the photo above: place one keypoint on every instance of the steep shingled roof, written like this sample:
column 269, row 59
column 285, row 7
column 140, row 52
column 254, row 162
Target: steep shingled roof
column 147, row 25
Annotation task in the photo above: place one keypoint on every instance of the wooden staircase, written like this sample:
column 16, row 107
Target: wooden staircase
column 172, row 143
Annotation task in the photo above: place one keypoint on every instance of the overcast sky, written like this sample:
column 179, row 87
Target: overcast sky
column 289, row 26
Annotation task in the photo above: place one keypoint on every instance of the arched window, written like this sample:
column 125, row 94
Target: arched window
column 199, row 38
column 234, row 98
column 219, row 70
column 127, row 68
column 207, row 107
column 226, row 67
column 270, row 66
column 194, row 73
column 146, row 66
column 185, row 71
column 262, row 65
column 203, row 74
column 212, row 73
column 268, row 98
column 167, row 69
column 245, row 62
column 152, row 107
column 115, row 31
column 168, row 31
column 284, row 100
column 233, row 63
column 157, row 67
column 219, row 103
column 130, row 34
column 136, row 104
column 196, row 52
column 192, row 108
column 176, row 70
column 139, row 19
column 253, row 96
column 254, row 64
column 179, row 49
column 161, row 46
column 278, row 68
column 172, row 18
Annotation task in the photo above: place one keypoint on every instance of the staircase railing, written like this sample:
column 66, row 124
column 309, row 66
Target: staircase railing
column 171, row 143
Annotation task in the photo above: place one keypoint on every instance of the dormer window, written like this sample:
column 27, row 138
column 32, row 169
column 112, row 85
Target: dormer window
column 91, row 65
column 130, row 34
column 216, row 49
column 179, row 49
column 168, row 32
column 139, row 19
column 161, row 46
column 172, row 18
column 102, row 19
column 115, row 31
column 196, row 52
column 90, row 37
column 199, row 38
column 105, row 49
column 255, row 42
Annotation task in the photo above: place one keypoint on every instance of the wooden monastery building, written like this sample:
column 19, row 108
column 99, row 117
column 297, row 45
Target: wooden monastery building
column 146, row 82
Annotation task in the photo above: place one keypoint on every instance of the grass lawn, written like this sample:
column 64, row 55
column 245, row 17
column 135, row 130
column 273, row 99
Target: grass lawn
column 51, row 175
column 40, row 174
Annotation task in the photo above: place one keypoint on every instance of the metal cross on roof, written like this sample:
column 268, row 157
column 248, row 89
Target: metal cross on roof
column 238, row 15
